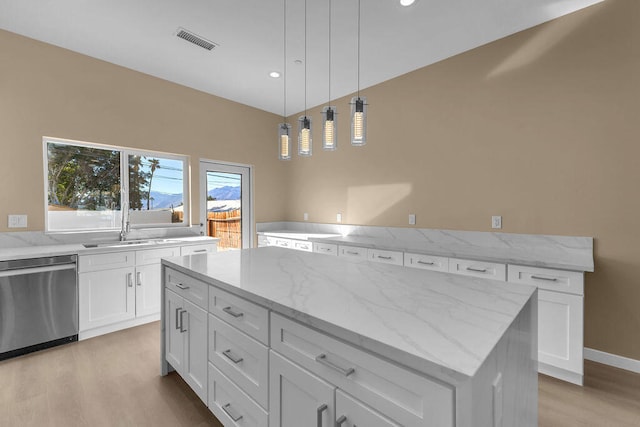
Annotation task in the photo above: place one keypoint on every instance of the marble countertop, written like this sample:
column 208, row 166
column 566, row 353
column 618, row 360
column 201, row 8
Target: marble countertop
column 560, row 252
column 36, row 251
column 299, row 235
column 440, row 324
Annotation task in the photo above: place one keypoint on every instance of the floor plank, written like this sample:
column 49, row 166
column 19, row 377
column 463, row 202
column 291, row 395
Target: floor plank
column 113, row 380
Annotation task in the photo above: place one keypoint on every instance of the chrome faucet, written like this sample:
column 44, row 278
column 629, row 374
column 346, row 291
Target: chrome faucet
column 125, row 228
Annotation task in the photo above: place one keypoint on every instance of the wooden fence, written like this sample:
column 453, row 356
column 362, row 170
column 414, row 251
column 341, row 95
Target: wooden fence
column 227, row 226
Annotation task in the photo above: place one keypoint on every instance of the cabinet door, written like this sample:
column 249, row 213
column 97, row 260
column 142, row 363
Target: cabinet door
column 174, row 338
column 297, row 397
column 194, row 369
column 148, row 289
column 352, row 413
column 106, row 297
column 560, row 336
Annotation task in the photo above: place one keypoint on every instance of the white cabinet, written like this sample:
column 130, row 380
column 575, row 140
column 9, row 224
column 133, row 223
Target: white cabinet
column 186, row 341
column 352, row 251
column 352, row 413
column 487, row 270
column 560, row 319
column 325, row 248
column 296, row 244
column 386, row 257
column 426, row 262
column 106, row 297
column 298, row 397
column 120, row 289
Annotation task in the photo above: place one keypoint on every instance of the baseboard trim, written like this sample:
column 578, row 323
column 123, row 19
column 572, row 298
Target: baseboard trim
column 561, row 374
column 83, row 335
column 612, row 360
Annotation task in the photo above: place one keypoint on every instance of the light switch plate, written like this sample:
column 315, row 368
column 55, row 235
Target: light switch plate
column 306, row 216
column 17, row 221
column 496, row 221
column 339, row 217
column 412, row 219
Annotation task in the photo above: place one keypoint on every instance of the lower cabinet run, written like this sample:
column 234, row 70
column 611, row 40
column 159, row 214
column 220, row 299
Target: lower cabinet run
column 297, row 376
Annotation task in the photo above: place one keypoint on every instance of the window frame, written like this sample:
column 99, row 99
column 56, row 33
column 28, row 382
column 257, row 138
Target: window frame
column 124, row 152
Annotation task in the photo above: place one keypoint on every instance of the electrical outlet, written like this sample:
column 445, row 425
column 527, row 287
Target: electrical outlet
column 306, row 216
column 339, row 217
column 496, row 221
column 412, row 219
column 17, row 221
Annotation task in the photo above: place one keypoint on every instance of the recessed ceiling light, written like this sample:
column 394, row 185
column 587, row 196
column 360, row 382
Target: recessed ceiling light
column 407, row 2
column 274, row 74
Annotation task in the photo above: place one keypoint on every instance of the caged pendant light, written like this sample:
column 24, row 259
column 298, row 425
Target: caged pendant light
column 358, row 106
column 305, row 142
column 284, row 128
column 329, row 113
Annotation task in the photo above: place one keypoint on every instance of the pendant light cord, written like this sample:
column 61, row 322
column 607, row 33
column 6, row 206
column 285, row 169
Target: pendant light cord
column 284, row 60
column 329, row 54
column 305, row 59
column 358, row 49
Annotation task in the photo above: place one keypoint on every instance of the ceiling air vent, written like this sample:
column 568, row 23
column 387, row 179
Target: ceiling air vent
column 195, row 39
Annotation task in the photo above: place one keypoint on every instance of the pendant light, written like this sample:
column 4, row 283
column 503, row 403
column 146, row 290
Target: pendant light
column 358, row 106
column 305, row 142
column 329, row 113
column 284, row 128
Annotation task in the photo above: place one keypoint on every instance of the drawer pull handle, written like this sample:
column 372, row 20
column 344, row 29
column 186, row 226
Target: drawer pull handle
column 231, row 357
column 322, row 359
column 321, row 409
column 425, row 262
column 304, row 246
column 384, row 257
column 548, row 279
column 477, row 270
column 199, row 251
column 353, row 252
column 182, row 321
column 230, row 312
column 341, row 421
column 181, row 286
column 178, row 317
column 231, row 412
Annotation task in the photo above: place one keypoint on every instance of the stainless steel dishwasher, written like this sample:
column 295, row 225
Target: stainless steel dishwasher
column 38, row 304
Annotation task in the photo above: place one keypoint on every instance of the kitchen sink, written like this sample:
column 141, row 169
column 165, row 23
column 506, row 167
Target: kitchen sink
column 127, row 243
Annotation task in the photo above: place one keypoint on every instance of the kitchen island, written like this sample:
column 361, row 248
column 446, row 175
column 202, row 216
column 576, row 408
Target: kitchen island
column 277, row 337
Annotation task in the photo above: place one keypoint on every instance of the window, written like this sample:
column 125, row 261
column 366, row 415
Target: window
column 87, row 185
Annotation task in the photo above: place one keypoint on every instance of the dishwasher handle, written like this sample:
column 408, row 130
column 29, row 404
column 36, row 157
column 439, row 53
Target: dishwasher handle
column 34, row 270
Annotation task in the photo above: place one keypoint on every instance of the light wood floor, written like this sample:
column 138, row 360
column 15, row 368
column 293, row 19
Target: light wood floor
column 114, row 380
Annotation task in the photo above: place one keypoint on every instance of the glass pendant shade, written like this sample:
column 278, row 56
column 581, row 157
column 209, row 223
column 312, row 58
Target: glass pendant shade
column 305, row 144
column 284, row 141
column 358, row 121
column 329, row 128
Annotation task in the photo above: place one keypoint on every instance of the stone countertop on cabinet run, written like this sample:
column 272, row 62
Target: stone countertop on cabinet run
column 37, row 251
column 298, row 235
column 441, row 324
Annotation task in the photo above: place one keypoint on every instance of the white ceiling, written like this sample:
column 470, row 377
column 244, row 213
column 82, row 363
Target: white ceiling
column 140, row 34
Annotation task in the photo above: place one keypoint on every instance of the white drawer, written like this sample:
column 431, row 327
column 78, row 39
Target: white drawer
column 488, row 270
column 241, row 358
column 200, row 248
column 153, row 256
column 231, row 405
column 426, row 262
column 192, row 289
column 352, row 251
column 107, row 261
column 325, row 248
column 387, row 257
column 262, row 240
column 404, row 396
column 302, row 245
column 571, row 282
column 279, row 241
column 244, row 315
